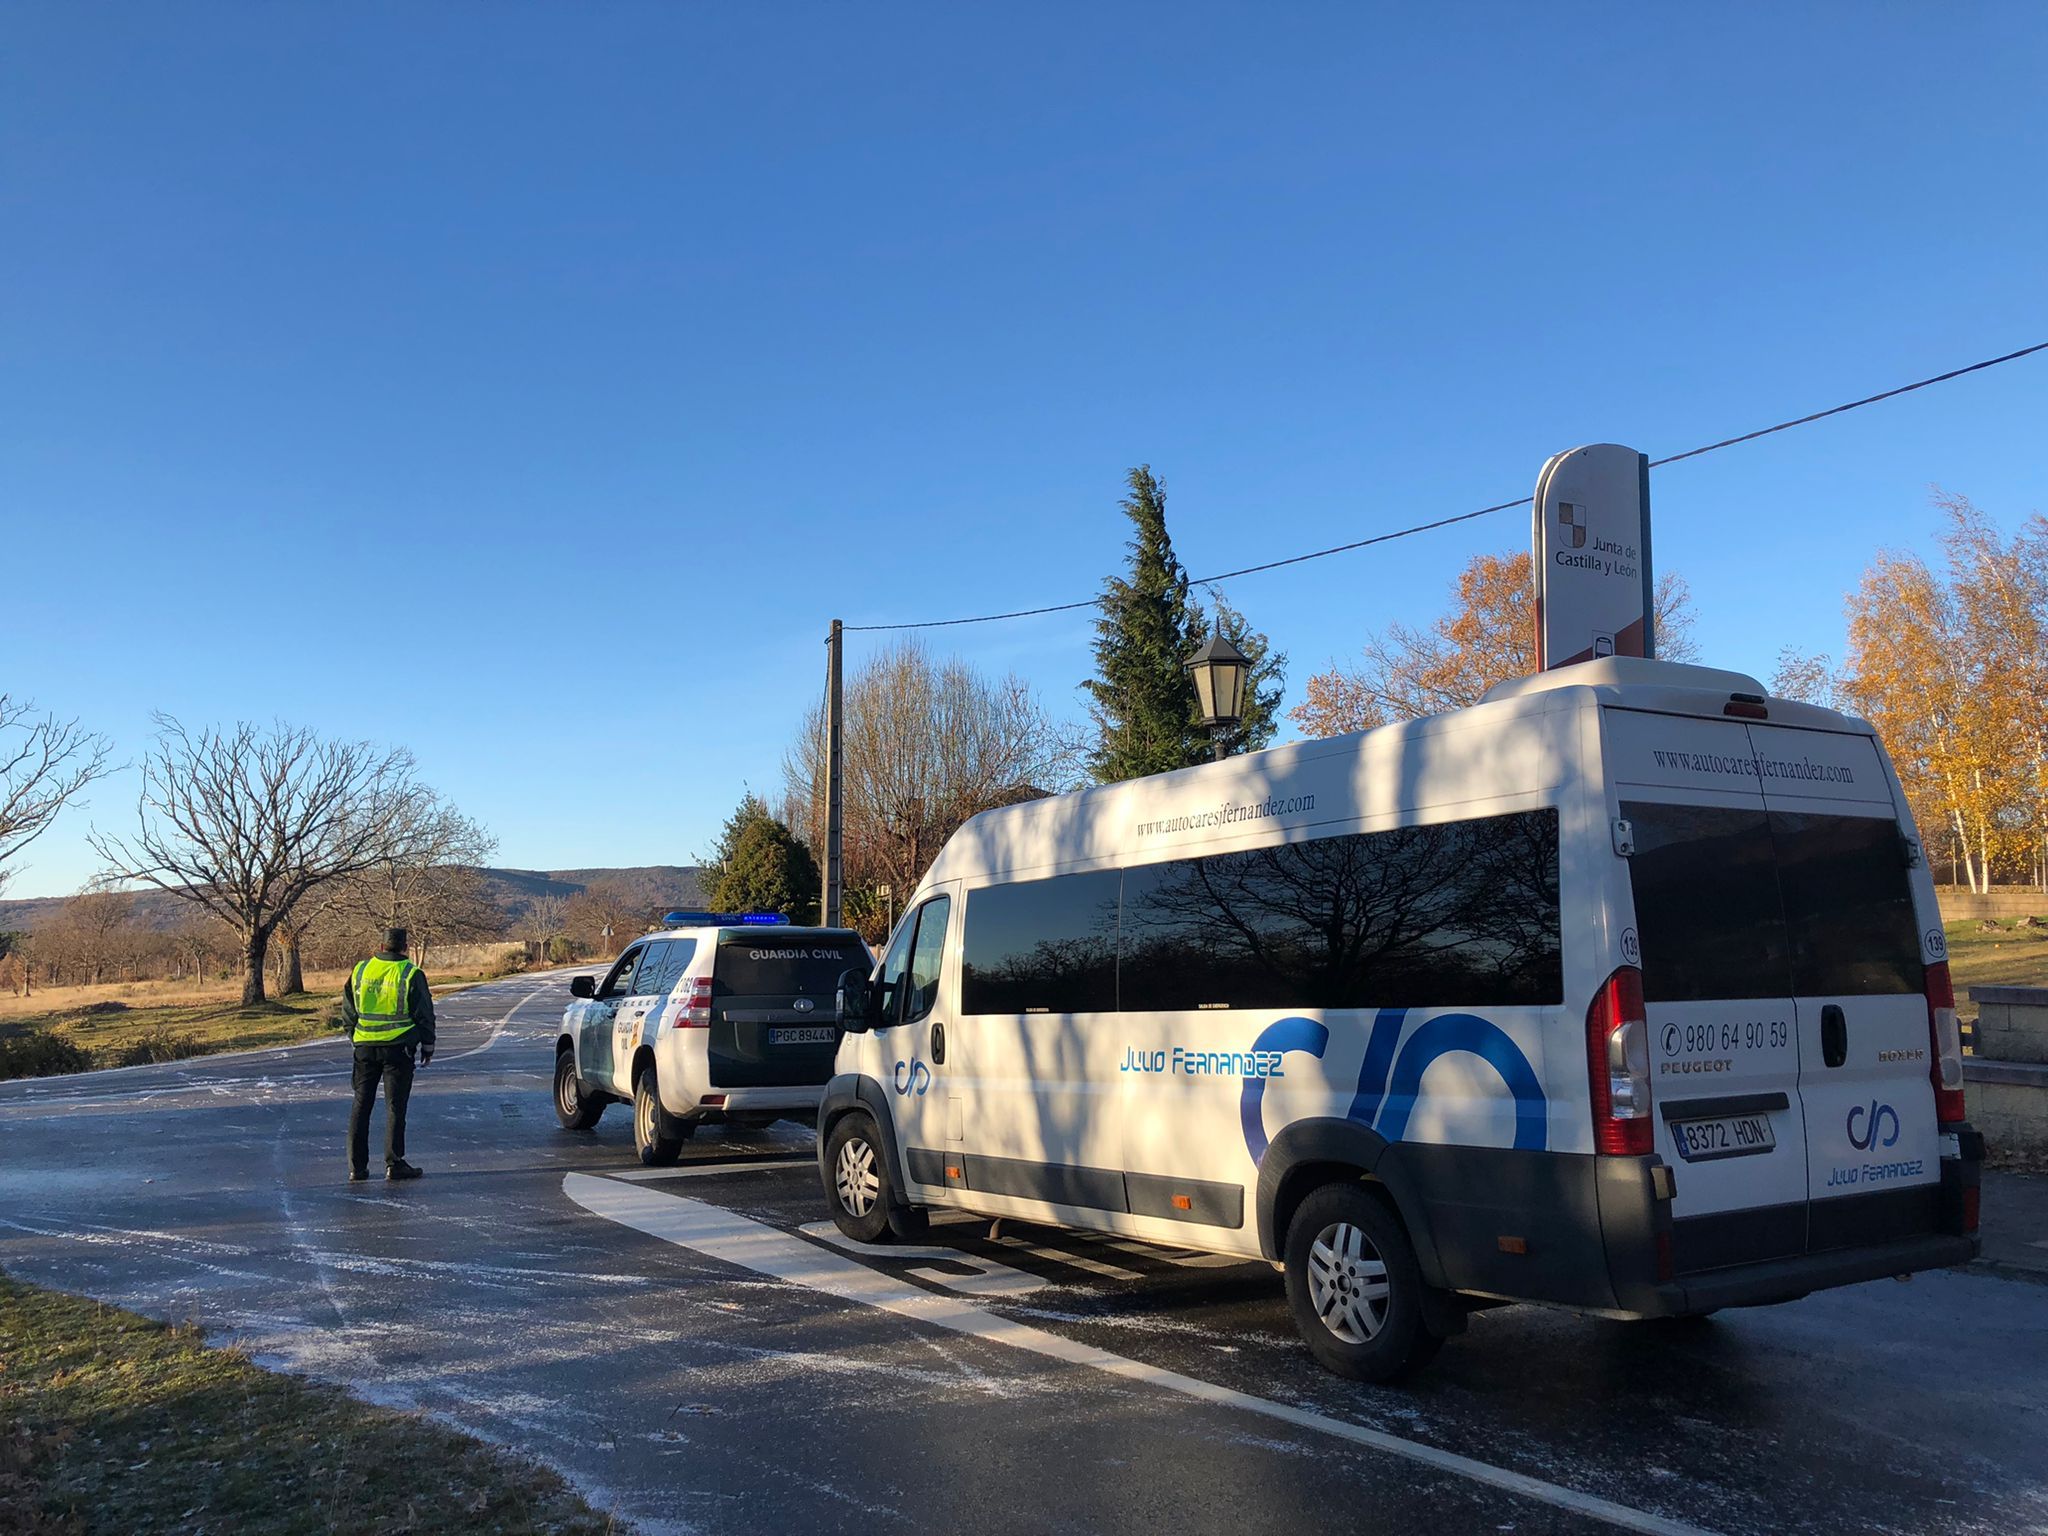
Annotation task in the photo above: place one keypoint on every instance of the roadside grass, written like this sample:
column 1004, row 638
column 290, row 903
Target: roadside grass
column 2010, row 956
column 78, row 1029
column 111, row 1423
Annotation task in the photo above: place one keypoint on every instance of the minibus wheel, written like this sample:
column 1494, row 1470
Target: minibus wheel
column 576, row 1110
column 1354, row 1286
column 657, row 1136
column 856, row 1175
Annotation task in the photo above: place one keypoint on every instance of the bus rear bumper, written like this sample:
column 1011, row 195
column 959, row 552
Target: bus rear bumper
column 1757, row 1285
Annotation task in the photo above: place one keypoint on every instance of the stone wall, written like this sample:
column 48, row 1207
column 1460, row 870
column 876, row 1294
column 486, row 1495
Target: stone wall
column 2012, row 1023
column 2008, row 1102
column 1959, row 904
column 2006, row 1082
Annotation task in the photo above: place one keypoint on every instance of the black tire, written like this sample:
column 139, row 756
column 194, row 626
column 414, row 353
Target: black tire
column 855, row 1172
column 657, row 1136
column 576, row 1110
column 1354, row 1286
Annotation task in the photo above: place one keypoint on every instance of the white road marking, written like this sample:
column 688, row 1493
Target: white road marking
column 1186, row 1258
column 698, row 1170
column 989, row 1279
column 1073, row 1260
column 504, row 1027
column 747, row 1244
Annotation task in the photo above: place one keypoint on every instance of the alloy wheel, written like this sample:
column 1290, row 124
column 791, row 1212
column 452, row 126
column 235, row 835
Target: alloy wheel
column 856, row 1177
column 1347, row 1283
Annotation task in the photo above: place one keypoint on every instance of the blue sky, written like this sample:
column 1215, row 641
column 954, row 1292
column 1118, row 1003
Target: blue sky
column 530, row 384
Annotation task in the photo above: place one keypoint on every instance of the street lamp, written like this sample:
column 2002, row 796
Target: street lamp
column 1219, row 670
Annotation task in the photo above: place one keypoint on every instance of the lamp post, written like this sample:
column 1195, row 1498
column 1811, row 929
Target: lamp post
column 1219, row 670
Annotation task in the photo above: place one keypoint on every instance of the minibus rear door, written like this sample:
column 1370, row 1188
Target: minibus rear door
column 1710, row 932
column 1873, row 1159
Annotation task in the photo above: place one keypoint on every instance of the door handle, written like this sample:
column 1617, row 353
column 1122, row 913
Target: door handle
column 1834, row 1035
column 938, row 1045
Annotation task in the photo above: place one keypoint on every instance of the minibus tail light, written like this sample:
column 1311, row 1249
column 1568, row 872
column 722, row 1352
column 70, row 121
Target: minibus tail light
column 1618, row 1066
column 697, row 1011
column 1945, row 1045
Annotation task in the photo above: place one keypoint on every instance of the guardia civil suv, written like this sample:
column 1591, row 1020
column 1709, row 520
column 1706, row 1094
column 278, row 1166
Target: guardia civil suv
column 720, row 1019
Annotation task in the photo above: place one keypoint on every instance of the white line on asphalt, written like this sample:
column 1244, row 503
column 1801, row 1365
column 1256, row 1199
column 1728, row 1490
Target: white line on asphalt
column 1186, row 1258
column 503, row 1029
column 697, row 1170
column 747, row 1244
column 990, row 1279
column 1075, row 1260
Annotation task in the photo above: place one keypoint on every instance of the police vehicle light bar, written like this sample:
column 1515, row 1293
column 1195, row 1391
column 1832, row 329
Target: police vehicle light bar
column 722, row 919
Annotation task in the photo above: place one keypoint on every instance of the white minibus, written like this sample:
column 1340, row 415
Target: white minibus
column 1624, row 991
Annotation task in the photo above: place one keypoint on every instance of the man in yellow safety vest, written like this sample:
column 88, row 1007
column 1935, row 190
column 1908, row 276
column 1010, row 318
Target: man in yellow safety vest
column 389, row 1013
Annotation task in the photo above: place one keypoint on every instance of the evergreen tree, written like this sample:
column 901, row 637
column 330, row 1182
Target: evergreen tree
column 752, row 808
column 1142, row 699
column 1143, row 702
column 768, row 871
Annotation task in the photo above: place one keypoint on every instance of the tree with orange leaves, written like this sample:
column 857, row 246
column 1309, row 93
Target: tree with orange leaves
column 1488, row 636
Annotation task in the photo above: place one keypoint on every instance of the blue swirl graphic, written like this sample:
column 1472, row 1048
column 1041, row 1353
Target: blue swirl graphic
column 1469, row 1033
column 1292, row 1034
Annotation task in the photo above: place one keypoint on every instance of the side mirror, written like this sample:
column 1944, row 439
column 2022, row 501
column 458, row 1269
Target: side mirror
column 856, row 1002
column 583, row 986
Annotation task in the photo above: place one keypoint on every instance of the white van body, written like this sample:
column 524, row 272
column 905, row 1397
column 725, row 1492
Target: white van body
column 706, row 1024
column 1396, row 957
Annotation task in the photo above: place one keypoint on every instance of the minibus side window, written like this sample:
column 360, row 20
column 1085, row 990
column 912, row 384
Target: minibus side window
column 1456, row 913
column 1041, row 946
column 925, row 957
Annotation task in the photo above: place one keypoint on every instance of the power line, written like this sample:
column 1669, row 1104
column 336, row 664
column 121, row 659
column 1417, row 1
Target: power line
column 1465, row 517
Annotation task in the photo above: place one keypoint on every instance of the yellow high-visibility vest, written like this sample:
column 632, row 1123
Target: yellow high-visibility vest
column 380, row 988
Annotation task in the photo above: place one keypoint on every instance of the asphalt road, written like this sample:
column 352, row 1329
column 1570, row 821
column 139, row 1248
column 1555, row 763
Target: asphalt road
column 696, row 1354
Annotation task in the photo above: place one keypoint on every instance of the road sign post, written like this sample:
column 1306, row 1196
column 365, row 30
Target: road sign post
column 1594, row 592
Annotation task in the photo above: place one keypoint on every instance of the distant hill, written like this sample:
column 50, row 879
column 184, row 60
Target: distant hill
column 658, row 887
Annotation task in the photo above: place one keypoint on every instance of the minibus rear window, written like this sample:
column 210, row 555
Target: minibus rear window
column 1707, row 906
column 1459, row 913
column 1042, row 946
column 1744, row 903
column 786, row 965
column 1848, row 904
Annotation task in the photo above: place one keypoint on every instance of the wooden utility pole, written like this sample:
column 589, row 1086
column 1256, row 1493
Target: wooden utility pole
column 835, row 823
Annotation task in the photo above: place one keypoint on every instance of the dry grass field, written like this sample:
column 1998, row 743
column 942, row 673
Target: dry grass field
column 74, row 1029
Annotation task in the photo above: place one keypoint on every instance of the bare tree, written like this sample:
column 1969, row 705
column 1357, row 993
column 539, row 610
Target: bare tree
column 44, row 762
column 544, row 919
column 197, row 943
column 927, row 744
column 245, row 824
column 607, row 915
column 426, row 877
column 84, row 937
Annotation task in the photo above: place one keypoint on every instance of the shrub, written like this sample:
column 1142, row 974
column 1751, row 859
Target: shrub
column 40, row 1054
column 158, row 1045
